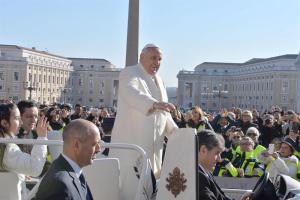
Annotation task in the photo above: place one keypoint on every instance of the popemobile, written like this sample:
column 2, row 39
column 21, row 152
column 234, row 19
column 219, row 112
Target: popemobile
column 178, row 180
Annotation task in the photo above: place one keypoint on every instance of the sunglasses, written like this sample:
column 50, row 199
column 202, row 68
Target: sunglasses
column 252, row 134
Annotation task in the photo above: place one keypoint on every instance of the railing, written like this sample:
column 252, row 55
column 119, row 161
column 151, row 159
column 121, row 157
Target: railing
column 145, row 166
column 235, row 193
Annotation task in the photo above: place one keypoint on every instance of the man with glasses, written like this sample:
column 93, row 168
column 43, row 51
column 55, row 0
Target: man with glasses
column 246, row 121
column 247, row 162
column 254, row 134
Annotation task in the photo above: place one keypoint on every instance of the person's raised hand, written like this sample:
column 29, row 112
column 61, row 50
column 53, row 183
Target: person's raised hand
column 41, row 127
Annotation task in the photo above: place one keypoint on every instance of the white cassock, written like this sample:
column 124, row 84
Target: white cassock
column 134, row 124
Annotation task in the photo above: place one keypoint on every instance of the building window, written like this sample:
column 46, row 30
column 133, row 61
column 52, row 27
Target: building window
column 285, row 86
column 1, row 76
column 101, row 100
column 92, row 66
column 1, row 87
column 283, row 98
column 115, row 102
column 80, row 83
column 91, row 83
column 90, row 100
column 115, row 87
column 81, row 65
column 16, row 76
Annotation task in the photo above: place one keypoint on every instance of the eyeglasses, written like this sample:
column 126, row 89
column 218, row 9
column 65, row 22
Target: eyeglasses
column 246, row 116
column 245, row 143
column 236, row 137
column 252, row 134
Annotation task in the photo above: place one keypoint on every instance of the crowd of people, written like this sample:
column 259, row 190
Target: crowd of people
column 29, row 121
column 254, row 142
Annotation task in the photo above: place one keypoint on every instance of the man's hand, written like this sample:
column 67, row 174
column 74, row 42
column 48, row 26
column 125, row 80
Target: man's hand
column 247, row 196
column 165, row 106
column 41, row 127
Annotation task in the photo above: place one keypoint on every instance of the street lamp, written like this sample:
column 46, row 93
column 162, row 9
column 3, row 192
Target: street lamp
column 220, row 94
column 28, row 86
column 207, row 94
column 64, row 91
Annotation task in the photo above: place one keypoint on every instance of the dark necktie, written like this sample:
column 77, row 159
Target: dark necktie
column 84, row 187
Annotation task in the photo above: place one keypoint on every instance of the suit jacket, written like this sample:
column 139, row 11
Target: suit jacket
column 208, row 189
column 61, row 183
column 135, row 125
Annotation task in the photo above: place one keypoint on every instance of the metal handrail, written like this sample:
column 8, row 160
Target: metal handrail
column 145, row 166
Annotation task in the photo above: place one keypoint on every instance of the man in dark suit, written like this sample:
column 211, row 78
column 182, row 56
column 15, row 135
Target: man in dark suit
column 65, row 180
column 211, row 145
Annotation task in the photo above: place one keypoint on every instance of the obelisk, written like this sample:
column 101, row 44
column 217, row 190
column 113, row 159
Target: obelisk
column 132, row 33
column 297, row 64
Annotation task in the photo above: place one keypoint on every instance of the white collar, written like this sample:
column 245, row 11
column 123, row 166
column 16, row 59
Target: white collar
column 204, row 170
column 74, row 165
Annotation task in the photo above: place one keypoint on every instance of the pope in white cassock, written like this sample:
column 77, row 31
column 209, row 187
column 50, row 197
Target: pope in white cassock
column 143, row 117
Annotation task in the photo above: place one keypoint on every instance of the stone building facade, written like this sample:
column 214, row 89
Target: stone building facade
column 46, row 78
column 96, row 82
column 257, row 83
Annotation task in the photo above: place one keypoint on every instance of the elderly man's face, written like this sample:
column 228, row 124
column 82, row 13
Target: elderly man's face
column 246, row 146
column 150, row 59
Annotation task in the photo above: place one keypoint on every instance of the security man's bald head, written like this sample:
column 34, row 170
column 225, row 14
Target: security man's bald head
column 79, row 128
column 81, row 141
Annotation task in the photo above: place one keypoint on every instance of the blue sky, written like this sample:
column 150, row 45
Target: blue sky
column 189, row 32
